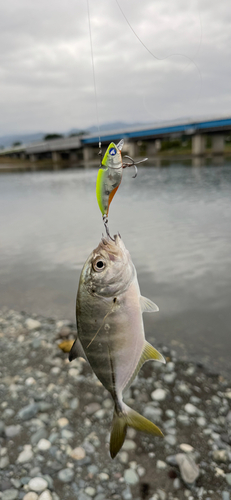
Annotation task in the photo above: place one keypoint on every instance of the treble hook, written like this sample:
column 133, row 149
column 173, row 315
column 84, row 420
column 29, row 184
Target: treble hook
column 125, row 165
column 105, row 221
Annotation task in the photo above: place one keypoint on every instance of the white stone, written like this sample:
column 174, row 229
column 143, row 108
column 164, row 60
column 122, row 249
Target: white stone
column 123, row 457
column 159, row 395
column 46, row 495
column 32, row 324
column 201, row 421
column 63, row 422
column 30, row 381
column 38, row 484
column 25, row 456
column 90, row 491
column 103, row 476
column 78, row 453
column 31, row 495
column 190, row 409
column 131, row 477
column 187, row 448
column 161, row 465
column 43, row 444
column 129, row 445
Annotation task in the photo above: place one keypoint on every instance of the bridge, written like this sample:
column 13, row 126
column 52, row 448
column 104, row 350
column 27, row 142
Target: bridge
column 85, row 148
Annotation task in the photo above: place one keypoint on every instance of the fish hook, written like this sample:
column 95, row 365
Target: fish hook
column 105, row 221
column 125, row 165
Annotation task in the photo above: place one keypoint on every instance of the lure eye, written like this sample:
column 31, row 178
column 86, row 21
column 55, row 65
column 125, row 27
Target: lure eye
column 99, row 265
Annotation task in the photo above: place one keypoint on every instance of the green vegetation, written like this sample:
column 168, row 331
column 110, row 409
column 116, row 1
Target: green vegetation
column 49, row 137
column 17, row 143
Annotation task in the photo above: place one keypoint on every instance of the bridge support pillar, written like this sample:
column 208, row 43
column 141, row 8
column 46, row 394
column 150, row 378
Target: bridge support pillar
column 218, row 144
column 198, row 144
column 153, row 148
column 87, row 153
column 56, row 157
column 33, row 158
column 131, row 149
column 73, row 157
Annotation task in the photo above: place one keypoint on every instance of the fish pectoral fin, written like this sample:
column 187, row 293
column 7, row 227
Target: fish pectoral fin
column 66, row 345
column 129, row 417
column 147, row 305
column 149, row 352
column 77, row 351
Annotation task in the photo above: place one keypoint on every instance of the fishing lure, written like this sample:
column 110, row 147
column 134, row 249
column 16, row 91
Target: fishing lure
column 110, row 177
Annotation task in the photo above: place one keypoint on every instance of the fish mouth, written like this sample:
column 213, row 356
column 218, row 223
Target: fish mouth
column 107, row 240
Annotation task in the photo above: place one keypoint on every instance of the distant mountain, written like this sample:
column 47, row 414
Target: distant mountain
column 8, row 140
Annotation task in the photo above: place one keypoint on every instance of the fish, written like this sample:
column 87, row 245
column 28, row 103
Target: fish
column 110, row 330
column 109, row 177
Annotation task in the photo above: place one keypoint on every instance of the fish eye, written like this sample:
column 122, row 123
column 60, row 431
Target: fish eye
column 99, row 265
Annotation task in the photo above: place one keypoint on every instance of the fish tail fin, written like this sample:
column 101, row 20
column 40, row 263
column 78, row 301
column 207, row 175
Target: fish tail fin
column 128, row 417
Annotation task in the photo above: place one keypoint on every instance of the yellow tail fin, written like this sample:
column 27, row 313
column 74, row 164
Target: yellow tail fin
column 133, row 419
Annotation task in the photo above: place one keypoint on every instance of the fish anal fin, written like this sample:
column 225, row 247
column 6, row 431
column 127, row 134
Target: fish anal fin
column 149, row 352
column 118, row 434
column 77, row 351
column 147, row 305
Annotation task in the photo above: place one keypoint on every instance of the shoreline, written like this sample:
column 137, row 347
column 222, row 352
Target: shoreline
column 55, row 421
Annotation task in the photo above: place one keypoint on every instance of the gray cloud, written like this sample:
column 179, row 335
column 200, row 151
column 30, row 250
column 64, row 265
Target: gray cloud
column 45, row 62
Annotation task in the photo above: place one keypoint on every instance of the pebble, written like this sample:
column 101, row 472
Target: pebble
column 190, row 409
column 44, row 444
column 66, row 475
column 13, row 430
column 90, row 491
column 31, row 495
column 46, row 495
column 221, row 456
column 131, row 477
column 187, row 448
column 25, row 456
column 11, row 494
column 4, row 462
column 129, row 445
column 201, row 421
column 228, row 478
column 188, row 468
column 78, row 453
column 171, row 440
column 158, row 395
column 63, row 422
column 103, row 476
column 32, row 324
column 37, row 484
column 161, row 465
column 28, row 412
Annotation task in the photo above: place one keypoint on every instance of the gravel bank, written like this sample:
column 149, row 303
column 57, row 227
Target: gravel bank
column 55, row 421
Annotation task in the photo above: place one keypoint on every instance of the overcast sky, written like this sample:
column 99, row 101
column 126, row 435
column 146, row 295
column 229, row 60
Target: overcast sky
column 46, row 81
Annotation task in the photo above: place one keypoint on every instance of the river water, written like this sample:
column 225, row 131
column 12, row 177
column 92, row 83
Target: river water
column 176, row 223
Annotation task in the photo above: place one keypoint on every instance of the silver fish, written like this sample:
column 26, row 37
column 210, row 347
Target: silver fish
column 110, row 327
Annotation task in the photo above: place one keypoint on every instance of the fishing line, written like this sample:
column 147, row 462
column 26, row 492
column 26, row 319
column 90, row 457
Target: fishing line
column 93, row 72
column 170, row 55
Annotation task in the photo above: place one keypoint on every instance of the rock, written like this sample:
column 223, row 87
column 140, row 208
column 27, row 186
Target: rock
column 46, row 495
column 66, row 475
column 90, row 491
column 176, row 483
column 92, row 408
column 153, row 413
column 186, row 448
column 31, row 496
column 171, row 440
column 159, row 395
column 188, row 468
column 4, row 462
column 201, row 421
column 169, row 378
column 190, row 409
column 28, row 412
column 78, row 453
column 103, row 476
column 11, row 494
column 63, row 422
column 225, row 495
column 44, row 444
column 131, row 477
column 37, row 436
column 38, row 484
column 32, row 324
column 25, row 456
column 228, row 478
column 66, row 434
column 221, row 456
column 184, row 388
column 129, row 445
column 161, row 465
column 123, row 457
column 13, row 430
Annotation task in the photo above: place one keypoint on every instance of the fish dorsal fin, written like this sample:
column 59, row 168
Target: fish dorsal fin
column 149, row 352
column 77, row 351
column 120, row 145
column 147, row 305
